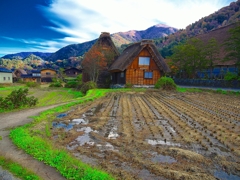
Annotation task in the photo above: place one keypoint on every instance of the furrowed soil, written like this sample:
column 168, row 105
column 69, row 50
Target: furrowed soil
column 155, row 135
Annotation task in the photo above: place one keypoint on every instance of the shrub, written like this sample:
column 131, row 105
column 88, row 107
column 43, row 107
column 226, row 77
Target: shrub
column 71, row 84
column 79, row 79
column 87, row 86
column 230, row 76
column 32, row 84
column 17, row 99
column 165, row 83
column 128, row 85
column 56, row 84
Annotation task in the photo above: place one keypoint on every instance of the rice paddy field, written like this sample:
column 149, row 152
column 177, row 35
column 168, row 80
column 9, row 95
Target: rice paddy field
column 154, row 134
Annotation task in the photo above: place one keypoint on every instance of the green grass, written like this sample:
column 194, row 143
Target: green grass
column 0, row 138
column 181, row 89
column 17, row 170
column 46, row 96
column 42, row 150
column 218, row 91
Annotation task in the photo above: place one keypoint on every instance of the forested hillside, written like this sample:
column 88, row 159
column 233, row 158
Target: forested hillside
column 225, row 16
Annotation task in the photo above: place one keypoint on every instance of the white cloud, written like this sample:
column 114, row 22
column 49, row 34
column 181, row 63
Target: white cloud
column 85, row 20
column 32, row 45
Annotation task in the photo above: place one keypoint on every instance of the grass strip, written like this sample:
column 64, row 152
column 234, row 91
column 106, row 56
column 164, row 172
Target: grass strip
column 218, row 91
column 17, row 170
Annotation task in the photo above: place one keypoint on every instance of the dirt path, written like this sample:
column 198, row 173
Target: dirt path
column 9, row 150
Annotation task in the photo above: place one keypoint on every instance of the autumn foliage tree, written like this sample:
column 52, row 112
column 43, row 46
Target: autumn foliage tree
column 94, row 62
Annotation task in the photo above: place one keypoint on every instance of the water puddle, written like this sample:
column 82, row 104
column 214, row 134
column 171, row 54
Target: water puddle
column 69, row 124
column 112, row 135
column 158, row 158
column 225, row 176
column 111, row 132
column 160, row 142
column 67, row 127
column 140, row 173
column 106, row 146
column 84, row 139
column 79, row 121
column 87, row 130
column 171, row 129
column 62, row 115
column 90, row 112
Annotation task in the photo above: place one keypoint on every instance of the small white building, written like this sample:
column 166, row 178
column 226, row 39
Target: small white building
column 6, row 76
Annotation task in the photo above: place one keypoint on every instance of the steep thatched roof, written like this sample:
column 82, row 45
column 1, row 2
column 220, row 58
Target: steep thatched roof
column 105, row 40
column 72, row 68
column 105, row 45
column 128, row 55
column 21, row 71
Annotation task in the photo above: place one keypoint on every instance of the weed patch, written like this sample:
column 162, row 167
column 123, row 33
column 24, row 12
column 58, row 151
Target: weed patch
column 17, row 169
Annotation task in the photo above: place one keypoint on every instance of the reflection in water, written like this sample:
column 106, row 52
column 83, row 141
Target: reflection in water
column 163, row 159
column 224, row 176
column 156, row 142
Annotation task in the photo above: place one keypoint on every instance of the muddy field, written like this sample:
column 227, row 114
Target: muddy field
column 155, row 135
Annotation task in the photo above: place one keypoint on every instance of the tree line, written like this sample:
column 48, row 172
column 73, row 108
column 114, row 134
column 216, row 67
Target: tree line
column 194, row 55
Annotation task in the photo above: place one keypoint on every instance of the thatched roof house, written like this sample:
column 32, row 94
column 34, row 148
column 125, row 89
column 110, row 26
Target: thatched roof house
column 98, row 59
column 139, row 64
column 72, row 72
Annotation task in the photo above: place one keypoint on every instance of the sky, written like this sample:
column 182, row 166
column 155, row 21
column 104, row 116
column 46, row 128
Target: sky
column 48, row 25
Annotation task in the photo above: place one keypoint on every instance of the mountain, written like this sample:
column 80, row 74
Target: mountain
column 119, row 38
column 72, row 50
column 157, row 31
column 223, row 17
column 23, row 55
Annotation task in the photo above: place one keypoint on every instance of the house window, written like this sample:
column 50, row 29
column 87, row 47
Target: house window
column 4, row 78
column 48, row 73
column 148, row 75
column 122, row 74
column 144, row 61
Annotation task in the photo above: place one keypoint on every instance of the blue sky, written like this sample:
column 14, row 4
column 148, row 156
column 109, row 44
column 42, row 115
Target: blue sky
column 48, row 25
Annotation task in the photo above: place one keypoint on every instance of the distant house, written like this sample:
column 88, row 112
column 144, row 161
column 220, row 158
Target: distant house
column 140, row 64
column 32, row 76
column 48, row 74
column 18, row 73
column 72, row 72
column 6, row 76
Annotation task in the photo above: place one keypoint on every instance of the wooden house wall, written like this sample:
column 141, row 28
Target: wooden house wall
column 32, row 79
column 72, row 72
column 135, row 72
column 45, row 71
